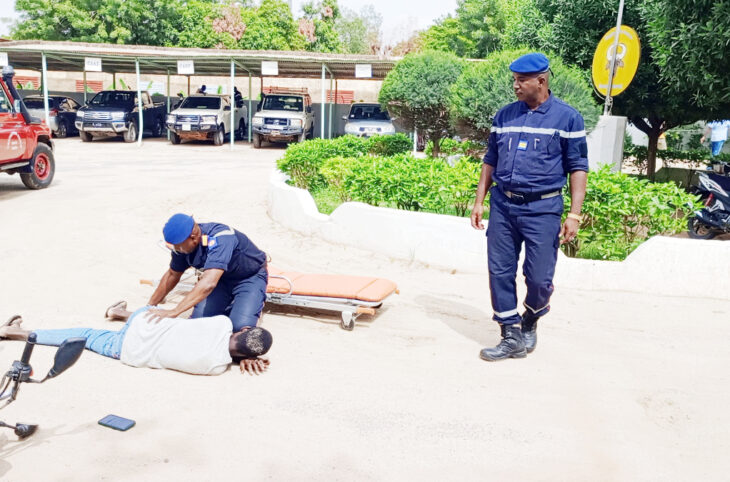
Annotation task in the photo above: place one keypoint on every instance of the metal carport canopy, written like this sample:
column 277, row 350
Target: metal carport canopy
column 69, row 56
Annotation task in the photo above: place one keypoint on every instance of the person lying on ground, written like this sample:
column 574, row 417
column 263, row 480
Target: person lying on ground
column 201, row 346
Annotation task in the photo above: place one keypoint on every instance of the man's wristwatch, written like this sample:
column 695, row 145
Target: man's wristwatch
column 577, row 217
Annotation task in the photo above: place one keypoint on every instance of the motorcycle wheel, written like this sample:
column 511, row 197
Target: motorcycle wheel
column 699, row 230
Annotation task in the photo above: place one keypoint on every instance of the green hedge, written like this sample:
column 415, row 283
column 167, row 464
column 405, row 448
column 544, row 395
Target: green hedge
column 621, row 211
column 302, row 161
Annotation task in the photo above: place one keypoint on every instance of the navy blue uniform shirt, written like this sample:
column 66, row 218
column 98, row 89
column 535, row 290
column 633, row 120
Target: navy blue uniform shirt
column 222, row 248
column 533, row 151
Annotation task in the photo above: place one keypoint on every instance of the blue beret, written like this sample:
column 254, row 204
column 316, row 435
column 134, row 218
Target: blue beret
column 178, row 228
column 532, row 63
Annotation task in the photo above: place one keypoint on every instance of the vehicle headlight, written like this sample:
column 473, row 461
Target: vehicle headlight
column 350, row 129
column 117, row 115
column 80, row 114
column 389, row 129
column 295, row 123
column 170, row 118
column 209, row 119
column 257, row 121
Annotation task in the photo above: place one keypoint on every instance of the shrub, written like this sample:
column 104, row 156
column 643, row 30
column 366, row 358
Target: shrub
column 335, row 170
column 621, row 211
column 303, row 160
column 390, row 145
column 416, row 91
column 449, row 147
column 405, row 181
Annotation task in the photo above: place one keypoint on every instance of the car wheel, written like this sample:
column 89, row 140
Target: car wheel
column 85, row 136
column 62, row 131
column 219, row 137
column 175, row 138
column 257, row 141
column 157, row 128
column 43, row 167
column 241, row 131
column 131, row 134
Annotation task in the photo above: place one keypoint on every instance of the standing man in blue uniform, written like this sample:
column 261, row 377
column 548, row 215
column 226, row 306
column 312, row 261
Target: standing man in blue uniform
column 234, row 272
column 534, row 144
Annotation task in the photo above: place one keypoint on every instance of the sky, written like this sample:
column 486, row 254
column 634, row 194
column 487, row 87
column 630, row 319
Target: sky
column 400, row 17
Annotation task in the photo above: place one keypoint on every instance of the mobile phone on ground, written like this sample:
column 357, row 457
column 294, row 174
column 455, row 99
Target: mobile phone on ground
column 117, row 423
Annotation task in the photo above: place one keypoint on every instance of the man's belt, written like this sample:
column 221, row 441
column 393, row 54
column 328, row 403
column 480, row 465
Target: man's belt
column 526, row 197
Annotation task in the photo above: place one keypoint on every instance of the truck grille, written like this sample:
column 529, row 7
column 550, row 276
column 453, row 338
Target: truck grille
column 98, row 116
column 191, row 119
column 276, row 122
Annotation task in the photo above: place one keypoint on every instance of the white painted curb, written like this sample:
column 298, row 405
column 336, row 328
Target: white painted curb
column 661, row 265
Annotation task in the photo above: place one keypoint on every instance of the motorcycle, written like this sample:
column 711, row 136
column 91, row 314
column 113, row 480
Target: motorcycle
column 714, row 190
column 21, row 371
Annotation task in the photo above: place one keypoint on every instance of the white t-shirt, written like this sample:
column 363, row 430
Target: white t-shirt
column 197, row 345
column 719, row 130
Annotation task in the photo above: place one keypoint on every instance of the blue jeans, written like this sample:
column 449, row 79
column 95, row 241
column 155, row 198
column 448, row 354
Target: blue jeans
column 240, row 300
column 104, row 342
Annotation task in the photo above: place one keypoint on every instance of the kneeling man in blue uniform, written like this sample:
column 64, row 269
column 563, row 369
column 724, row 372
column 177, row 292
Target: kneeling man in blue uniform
column 534, row 144
column 234, row 272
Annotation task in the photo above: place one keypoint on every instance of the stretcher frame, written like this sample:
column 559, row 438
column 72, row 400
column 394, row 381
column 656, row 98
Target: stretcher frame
column 350, row 309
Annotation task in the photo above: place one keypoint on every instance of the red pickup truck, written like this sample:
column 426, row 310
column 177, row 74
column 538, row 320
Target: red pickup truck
column 25, row 142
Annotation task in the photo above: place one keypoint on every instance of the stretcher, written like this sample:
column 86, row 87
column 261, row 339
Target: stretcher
column 351, row 296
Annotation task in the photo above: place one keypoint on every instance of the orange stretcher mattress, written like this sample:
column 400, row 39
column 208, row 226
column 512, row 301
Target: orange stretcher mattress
column 362, row 288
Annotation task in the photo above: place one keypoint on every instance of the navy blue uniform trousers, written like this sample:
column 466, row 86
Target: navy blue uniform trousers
column 240, row 300
column 537, row 225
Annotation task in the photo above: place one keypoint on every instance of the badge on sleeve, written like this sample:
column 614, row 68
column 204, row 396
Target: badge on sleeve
column 522, row 146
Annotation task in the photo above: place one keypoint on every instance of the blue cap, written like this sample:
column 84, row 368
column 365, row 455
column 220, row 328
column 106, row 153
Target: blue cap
column 178, row 228
column 532, row 63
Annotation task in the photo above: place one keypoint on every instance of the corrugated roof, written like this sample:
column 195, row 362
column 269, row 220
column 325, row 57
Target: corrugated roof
column 69, row 56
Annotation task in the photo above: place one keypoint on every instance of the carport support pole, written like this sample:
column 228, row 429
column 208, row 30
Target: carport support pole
column 168, row 102
column 45, row 88
column 415, row 140
column 331, row 104
column 321, row 107
column 233, row 104
column 139, row 103
column 84, row 84
column 249, row 107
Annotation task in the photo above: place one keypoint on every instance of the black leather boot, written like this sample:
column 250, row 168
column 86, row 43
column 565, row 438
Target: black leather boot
column 511, row 346
column 529, row 330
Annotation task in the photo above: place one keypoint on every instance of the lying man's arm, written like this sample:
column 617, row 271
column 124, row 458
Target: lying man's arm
column 205, row 285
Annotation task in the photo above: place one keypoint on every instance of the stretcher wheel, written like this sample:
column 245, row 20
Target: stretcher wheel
column 348, row 321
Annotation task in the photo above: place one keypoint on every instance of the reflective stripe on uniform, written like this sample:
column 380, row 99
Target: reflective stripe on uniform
column 506, row 314
column 539, row 130
column 227, row 232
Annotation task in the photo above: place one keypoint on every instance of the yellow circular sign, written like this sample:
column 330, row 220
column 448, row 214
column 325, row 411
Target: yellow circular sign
column 628, row 53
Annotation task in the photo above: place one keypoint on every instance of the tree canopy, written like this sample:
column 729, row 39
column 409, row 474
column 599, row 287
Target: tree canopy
column 266, row 25
column 417, row 92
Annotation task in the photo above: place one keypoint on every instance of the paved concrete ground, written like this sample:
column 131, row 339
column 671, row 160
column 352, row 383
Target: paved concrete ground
column 622, row 386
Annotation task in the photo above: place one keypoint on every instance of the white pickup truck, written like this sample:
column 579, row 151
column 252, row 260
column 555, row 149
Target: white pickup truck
column 203, row 117
column 283, row 115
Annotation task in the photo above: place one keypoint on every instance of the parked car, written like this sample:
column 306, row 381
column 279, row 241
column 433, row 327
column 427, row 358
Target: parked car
column 61, row 113
column 283, row 115
column 203, row 116
column 26, row 147
column 367, row 120
column 114, row 113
